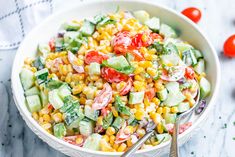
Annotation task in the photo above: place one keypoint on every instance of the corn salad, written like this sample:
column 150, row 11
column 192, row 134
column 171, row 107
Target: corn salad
column 102, row 83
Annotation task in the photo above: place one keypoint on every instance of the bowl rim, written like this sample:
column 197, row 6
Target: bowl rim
column 29, row 120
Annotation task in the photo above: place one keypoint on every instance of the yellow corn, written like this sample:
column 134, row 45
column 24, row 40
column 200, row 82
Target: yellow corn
column 46, row 126
column 79, row 140
column 141, row 132
column 151, row 71
column 122, row 147
column 35, row 115
column 159, row 110
column 158, row 86
column 106, row 137
column 152, row 51
column 129, row 130
column 100, row 120
column 82, row 101
column 156, row 117
column 156, row 101
column 57, row 117
column 33, row 69
column 115, row 146
column 139, row 86
column 166, row 110
column 174, row 109
column 114, row 111
column 110, row 131
column 129, row 142
column 105, row 147
column 146, row 102
column 138, row 70
column 46, row 118
column 139, row 78
column 160, row 128
column 77, row 89
column 145, row 64
column 139, row 114
column 148, row 57
column 111, row 139
column 68, row 78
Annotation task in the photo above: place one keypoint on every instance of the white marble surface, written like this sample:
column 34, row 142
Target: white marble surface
column 214, row 140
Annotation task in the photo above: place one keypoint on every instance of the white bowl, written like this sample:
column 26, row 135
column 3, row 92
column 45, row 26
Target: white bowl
column 188, row 32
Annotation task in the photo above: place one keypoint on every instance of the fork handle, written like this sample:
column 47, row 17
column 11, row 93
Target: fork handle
column 137, row 145
column 174, row 150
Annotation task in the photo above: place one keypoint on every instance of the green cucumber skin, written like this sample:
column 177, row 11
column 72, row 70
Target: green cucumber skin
column 136, row 97
column 93, row 142
column 27, row 78
column 34, row 103
column 205, row 88
column 32, row 91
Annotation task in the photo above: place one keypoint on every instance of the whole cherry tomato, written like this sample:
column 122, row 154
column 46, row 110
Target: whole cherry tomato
column 127, row 87
column 103, row 98
column 189, row 73
column 229, row 46
column 95, row 56
column 111, row 75
column 192, row 13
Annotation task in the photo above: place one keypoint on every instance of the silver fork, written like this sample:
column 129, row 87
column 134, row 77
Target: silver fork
column 174, row 152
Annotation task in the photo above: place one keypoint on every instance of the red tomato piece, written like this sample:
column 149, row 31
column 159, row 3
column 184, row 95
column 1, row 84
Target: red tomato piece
column 121, row 136
column 189, row 73
column 52, row 44
column 137, row 55
column 105, row 111
column 229, row 46
column 192, row 13
column 182, row 127
column 150, row 93
column 142, row 40
column 127, row 87
column 72, row 59
column 72, row 140
column 103, row 98
column 156, row 37
column 95, row 56
column 121, row 42
column 111, row 75
column 50, row 107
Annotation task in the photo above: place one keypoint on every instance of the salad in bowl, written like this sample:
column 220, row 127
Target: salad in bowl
column 101, row 83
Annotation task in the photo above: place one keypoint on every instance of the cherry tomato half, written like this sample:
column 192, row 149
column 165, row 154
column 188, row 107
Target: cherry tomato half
column 150, row 93
column 95, row 56
column 52, row 44
column 72, row 140
column 121, row 42
column 127, row 87
column 111, row 75
column 189, row 73
column 121, row 135
column 192, row 13
column 103, row 98
column 229, row 46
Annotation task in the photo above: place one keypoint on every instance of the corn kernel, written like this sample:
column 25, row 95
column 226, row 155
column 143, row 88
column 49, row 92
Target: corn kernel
column 112, row 139
column 151, row 71
column 145, row 64
column 110, row 131
column 82, row 100
column 139, row 114
column 122, row 147
column 100, row 120
column 57, row 117
column 156, row 101
column 174, row 109
column 129, row 130
column 106, row 137
column 77, row 89
column 79, row 140
column 139, row 78
column 165, row 110
column 46, row 118
column 158, row 86
column 146, row 102
column 138, row 70
column 46, row 126
column 156, row 117
column 159, row 110
column 105, row 147
column 114, row 111
column 129, row 142
column 35, row 115
column 141, row 132
column 115, row 146
column 160, row 128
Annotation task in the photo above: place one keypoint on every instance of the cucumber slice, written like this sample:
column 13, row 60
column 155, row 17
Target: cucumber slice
column 184, row 106
column 44, row 49
column 59, row 130
column 130, row 57
column 107, row 120
column 94, row 69
column 27, row 78
column 73, row 117
column 167, row 31
column 55, row 99
column 197, row 54
column 118, row 123
column 170, row 118
column 41, row 75
column 90, row 113
column 33, row 102
column 87, row 28
column 44, row 98
column 174, row 98
column 64, row 91
column 189, row 58
column 32, row 91
column 153, row 24
column 71, row 26
column 117, row 62
column 205, row 87
column 86, row 127
column 70, row 36
column 136, row 97
column 53, row 84
column 39, row 63
column 200, row 66
column 170, row 59
column 163, row 137
column 170, row 48
column 141, row 15
column 173, row 87
column 183, row 46
column 93, row 142
column 162, row 95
